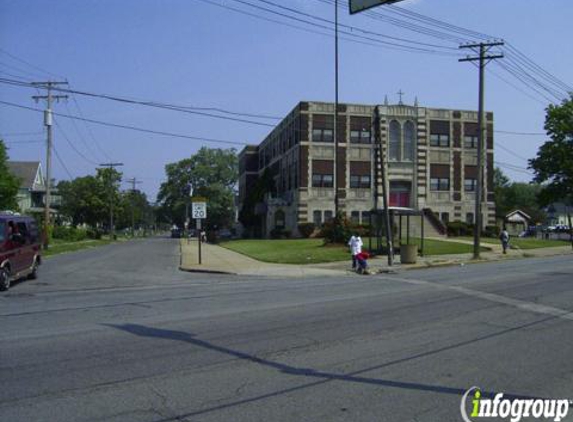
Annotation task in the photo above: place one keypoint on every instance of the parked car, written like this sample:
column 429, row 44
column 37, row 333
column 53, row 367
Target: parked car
column 176, row 232
column 20, row 249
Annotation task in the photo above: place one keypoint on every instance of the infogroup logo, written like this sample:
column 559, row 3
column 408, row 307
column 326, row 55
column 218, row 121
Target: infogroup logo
column 512, row 409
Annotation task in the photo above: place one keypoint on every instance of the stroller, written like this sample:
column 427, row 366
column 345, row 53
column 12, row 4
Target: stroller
column 362, row 261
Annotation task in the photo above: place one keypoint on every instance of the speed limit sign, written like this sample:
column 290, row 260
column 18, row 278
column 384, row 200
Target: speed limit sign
column 199, row 208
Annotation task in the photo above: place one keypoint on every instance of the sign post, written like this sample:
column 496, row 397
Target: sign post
column 199, row 212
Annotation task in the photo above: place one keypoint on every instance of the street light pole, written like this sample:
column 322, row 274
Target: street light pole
column 335, row 130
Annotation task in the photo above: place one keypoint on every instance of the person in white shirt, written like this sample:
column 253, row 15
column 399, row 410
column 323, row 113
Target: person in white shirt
column 355, row 244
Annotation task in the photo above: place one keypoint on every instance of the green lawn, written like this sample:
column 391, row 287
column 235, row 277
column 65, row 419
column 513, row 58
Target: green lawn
column 289, row 251
column 442, row 247
column 307, row 251
column 524, row 243
column 58, row 246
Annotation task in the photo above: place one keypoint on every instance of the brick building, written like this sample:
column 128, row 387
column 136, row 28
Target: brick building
column 430, row 163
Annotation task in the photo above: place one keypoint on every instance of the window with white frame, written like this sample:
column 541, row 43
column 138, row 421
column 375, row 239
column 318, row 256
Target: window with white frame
column 395, row 141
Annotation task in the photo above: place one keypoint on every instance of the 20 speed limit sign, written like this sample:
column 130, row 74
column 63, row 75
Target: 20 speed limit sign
column 199, row 210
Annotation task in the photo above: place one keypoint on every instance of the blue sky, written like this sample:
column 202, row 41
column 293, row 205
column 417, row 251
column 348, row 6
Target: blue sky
column 192, row 53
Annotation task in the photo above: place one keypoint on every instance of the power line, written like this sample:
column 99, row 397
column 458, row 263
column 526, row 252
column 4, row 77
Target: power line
column 404, row 24
column 21, row 133
column 532, row 65
column 513, row 153
column 171, row 107
column 128, row 127
column 29, row 64
column 90, row 133
column 31, row 141
column 521, row 133
column 62, row 163
column 81, row 137
column 360, row 38
column 354, row 28
column 71, row 144
column 388, row 44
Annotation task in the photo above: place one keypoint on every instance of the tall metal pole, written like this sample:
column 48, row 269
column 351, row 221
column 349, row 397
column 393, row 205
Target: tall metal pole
column 335, row 131
column 49, row 142
column 483, row 60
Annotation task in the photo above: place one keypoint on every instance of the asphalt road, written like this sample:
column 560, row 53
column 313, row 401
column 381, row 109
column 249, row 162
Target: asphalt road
column 119, row 334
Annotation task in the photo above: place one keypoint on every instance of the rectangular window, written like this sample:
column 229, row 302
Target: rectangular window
column 365, row 217
column 327, row 216
column 354, row 181
column 439, row 184
column 470, row 185
column 445, row 217
column 470, row 218
column 359, row 182
column 322, row 135
column 355, row 217
column 360, row 136
column 317, row 217
column 439, row 140
column 470, row 142
column 322, row 180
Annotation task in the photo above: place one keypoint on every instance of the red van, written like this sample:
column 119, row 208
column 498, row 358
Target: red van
column 20, row 249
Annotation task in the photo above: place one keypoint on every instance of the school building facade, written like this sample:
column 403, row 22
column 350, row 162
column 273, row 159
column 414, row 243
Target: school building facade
column 429, row 157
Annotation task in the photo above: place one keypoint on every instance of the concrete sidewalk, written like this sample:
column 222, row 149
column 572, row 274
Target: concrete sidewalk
column 217, row 259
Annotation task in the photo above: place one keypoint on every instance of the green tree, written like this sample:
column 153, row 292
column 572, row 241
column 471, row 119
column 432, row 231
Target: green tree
column 83, row 200
column 86, row 200
column 553, row 165
column 212, row 173
column 134, row 207
column 511, row 196
column 256, row 195
column 9, row 184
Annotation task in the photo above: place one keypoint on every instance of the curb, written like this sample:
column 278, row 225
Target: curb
column 205, row 271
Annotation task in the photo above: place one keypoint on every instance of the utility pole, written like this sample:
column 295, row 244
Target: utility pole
column 335, row 130
column 381, row 158
column 48, row 86
column 133, row 182
column 484, row 58
column 111, row 227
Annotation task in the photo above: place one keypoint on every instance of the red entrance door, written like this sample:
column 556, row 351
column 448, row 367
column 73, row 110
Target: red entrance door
column 400, row 199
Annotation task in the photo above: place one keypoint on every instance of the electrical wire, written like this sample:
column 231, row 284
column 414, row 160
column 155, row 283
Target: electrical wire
column 359, row 38
column 521, row 133
column 62, row 163
column 71, row 144
column 81, row 136
column 354, row 28
column 128, row 127
column 513, row 153
column 28, row 63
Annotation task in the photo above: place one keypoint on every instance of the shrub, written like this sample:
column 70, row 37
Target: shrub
column 94, row 234
column 277, row 233
column 459, row 228
column 71, row 234
column 306, row 229
column 491, row 231
column 360, row 230
column 337, row 230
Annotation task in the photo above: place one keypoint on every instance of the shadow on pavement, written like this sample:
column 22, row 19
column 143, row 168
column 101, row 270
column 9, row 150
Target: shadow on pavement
column 325, row 377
